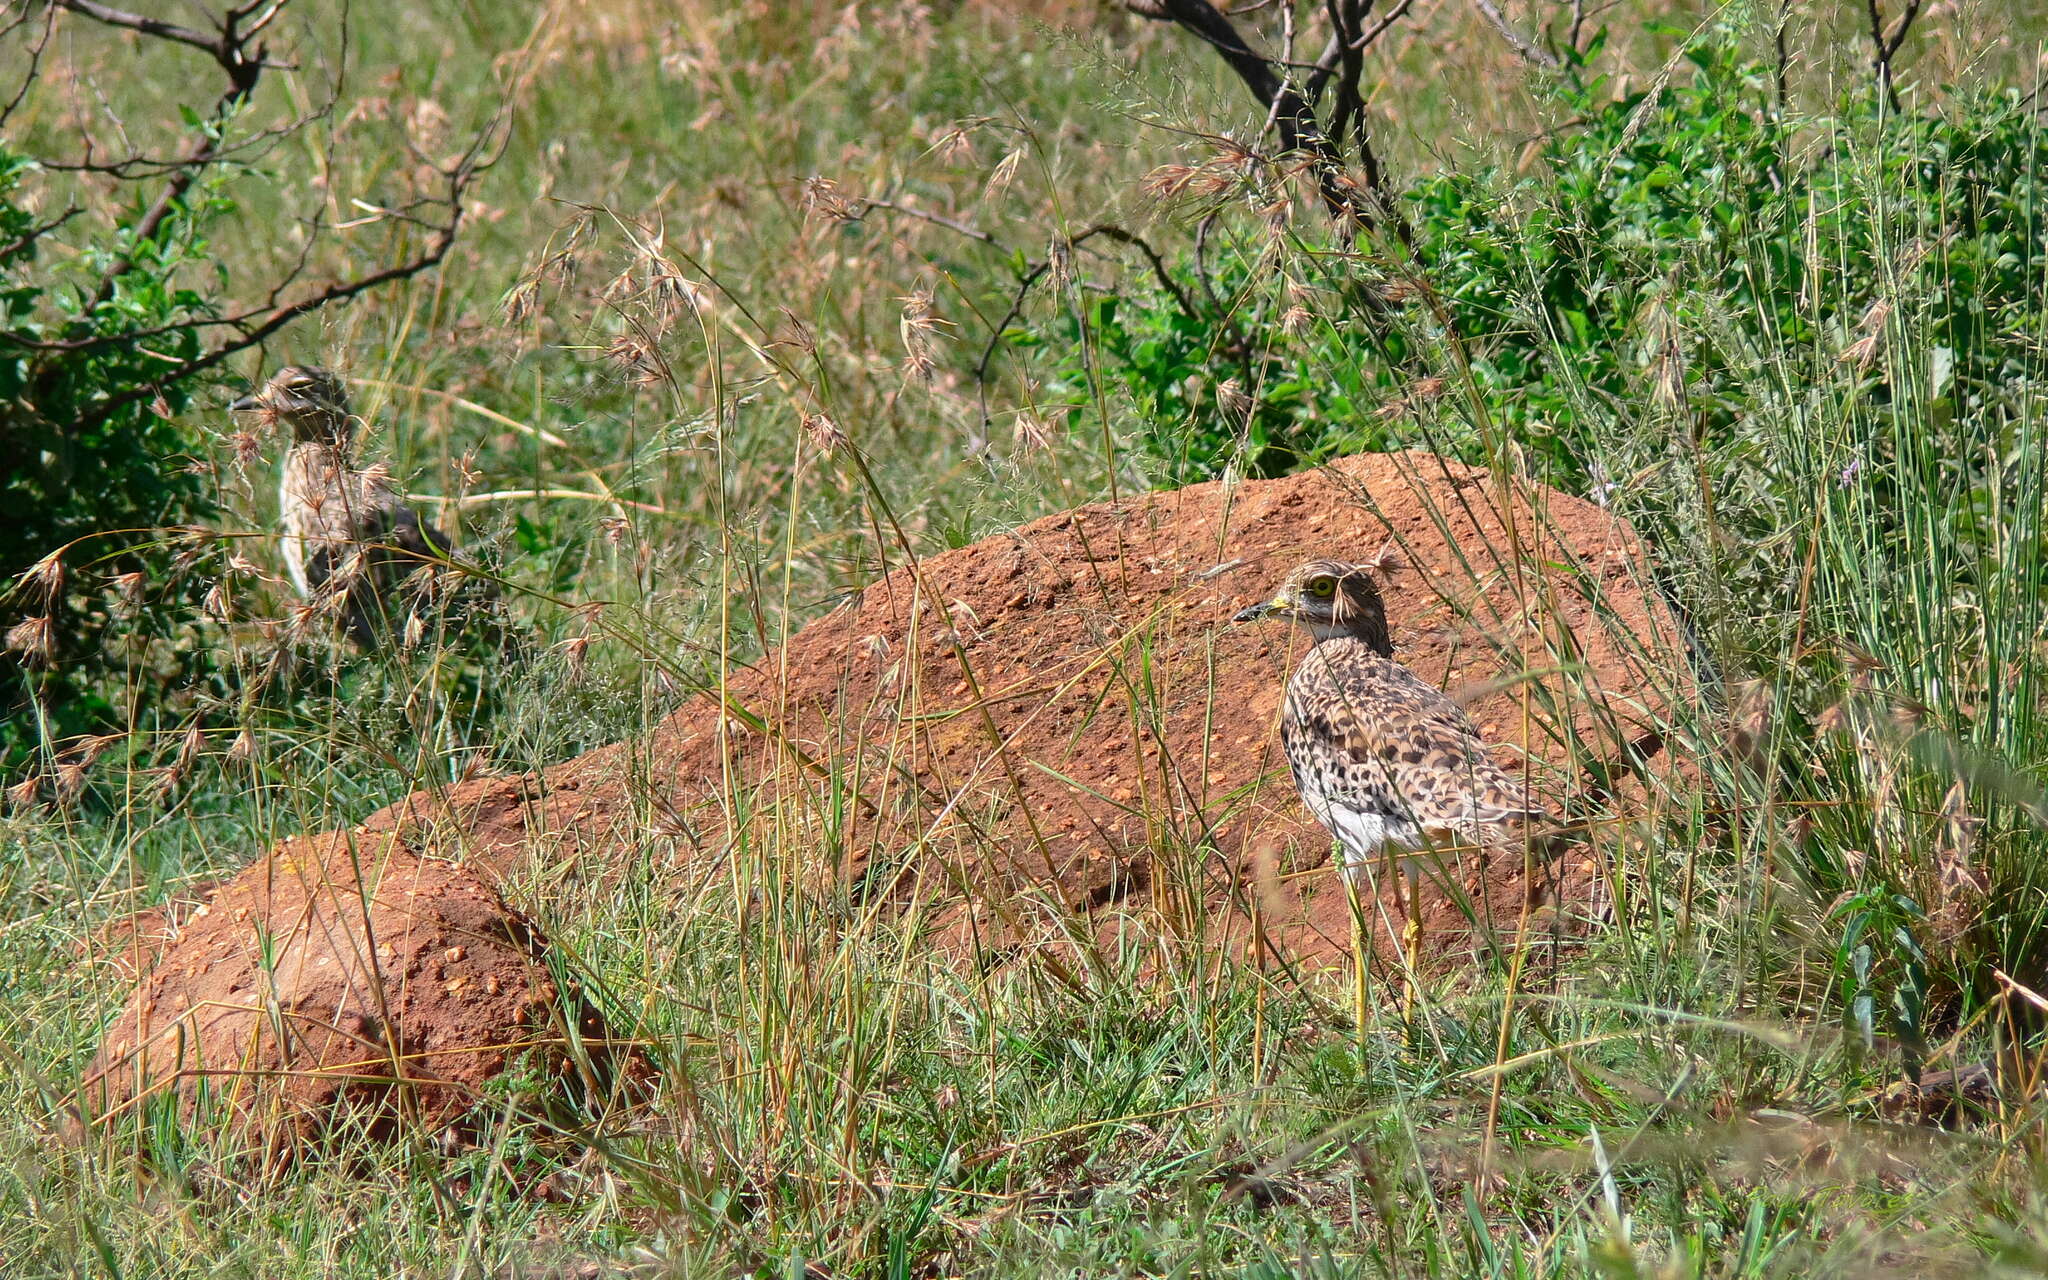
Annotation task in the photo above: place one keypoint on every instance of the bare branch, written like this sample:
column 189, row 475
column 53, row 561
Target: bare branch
column 1037, row 271
column 1167, row 282
column 35, row 56
column 1371, row 35
column 1885, row 45
column 232, row 47
column 147, row 26
column 1290, row 112
column 253, row 332
column 228, row 47
column 37, row 232
column 225, row 46
column 926, row 215
column 129, row 168
column 1531, row 52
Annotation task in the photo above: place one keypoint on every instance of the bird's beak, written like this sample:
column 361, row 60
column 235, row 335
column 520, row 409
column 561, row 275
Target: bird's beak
column 1265, row 610
column 247, row 404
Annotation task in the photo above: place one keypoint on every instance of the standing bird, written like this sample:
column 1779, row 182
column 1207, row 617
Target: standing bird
column 1383, row 759
column 347, row 538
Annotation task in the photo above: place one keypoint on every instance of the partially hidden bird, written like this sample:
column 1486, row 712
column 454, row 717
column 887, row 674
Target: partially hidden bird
column 347, row 539
column 1384, row 760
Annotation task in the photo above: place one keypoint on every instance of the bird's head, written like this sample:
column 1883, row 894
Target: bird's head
column 1330, row 598
column 309, row 400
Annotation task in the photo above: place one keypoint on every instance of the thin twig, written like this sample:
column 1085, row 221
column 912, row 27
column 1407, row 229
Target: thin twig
column 444, row 240
column 1371, row 35
column 35, row 233
column 35, row 57
column 926, row 215
column 147, row 26
column 1037, row 271
column 1885, row 46
column 228, row 47
column 1290, row 112
column 1531, row 52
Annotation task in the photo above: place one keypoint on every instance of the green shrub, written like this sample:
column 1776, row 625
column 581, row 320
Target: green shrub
column 94, row 461
column 1654, row 252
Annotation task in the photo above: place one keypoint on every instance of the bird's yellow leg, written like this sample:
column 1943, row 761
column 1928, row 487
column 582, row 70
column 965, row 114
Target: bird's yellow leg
column 1411, row 934
column 1411, row 930
column 1358, row 1004
column 1403, row 898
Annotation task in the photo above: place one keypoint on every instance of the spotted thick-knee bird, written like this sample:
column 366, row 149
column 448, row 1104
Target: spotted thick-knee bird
column 1382, row 758
column 346, row 537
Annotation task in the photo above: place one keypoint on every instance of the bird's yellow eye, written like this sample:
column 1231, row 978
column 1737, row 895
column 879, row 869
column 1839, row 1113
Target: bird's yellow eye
column 1322, row 588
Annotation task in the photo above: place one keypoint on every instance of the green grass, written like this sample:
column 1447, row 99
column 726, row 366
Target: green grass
column 1685, row 1096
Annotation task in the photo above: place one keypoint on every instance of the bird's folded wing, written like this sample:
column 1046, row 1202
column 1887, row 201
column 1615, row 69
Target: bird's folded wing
column 1433, row 757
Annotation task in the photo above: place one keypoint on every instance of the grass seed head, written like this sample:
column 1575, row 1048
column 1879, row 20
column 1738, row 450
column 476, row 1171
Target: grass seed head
column 966, row 622
column 1034, row 433
column 624, row 285
column 45, row 578
column 954, row 144
column 676, row 295
column 1167, row 182
column 1388, row 559
column 377, row 483
column 70, row 782
column 636, row 356
column 93, row 746
column 823, row 433
column 823, row 199
column 127, row 591
column 522, row 302
column 1668, row 363
column 800, row 335
column 21, row 797
column 189, row 747
column 1000, row 177
column 1863, row 352
column 31, row 638
column 575, row 654
column 1232, row 398
column 917, row 328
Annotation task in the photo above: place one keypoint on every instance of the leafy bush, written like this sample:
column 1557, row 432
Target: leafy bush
column 93, row 458
column 1657, row 250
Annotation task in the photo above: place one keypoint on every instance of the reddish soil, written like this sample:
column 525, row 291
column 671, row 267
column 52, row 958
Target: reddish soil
column 1138, row 780
column 1140, row 773
column 393, row 995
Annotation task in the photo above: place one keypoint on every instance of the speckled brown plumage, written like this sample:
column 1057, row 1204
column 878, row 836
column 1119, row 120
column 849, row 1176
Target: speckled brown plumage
column 347, row 539
column 1380, row 757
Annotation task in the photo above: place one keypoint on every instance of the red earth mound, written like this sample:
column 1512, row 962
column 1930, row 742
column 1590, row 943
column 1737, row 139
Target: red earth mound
column 395, row 989
column 1042, row 737
column 1058, row 728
